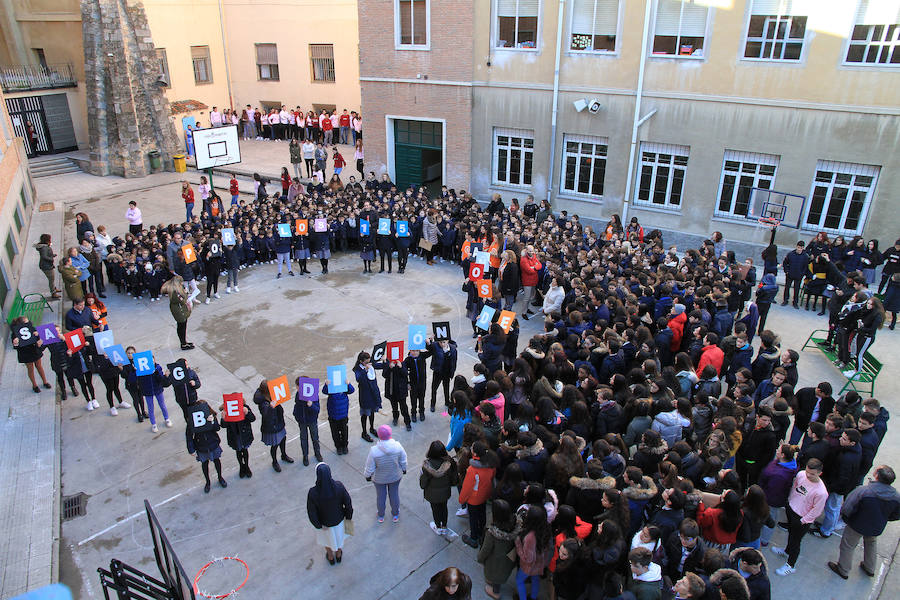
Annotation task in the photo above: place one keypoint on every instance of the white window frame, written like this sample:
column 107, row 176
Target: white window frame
column 495, row 28
column 566, row 154
column 524, row 134
column 397, row 36
column 672, row 150
column 615, row 51
column 743, row 158
column 863, row 17
column 706, row 37
column 842, row 168
column 782, row 13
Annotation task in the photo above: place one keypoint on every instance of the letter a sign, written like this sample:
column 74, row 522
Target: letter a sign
column 279, row 390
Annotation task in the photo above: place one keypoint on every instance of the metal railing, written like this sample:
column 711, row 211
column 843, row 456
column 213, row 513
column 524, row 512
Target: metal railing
column 30, row 77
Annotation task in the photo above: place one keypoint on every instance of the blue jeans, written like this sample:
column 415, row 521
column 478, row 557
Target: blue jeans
column 188, row 211
column 832, row 513
column 344, row 132
column 521, row 578
column 388, row 489
column 307, row 431
column 765, row 534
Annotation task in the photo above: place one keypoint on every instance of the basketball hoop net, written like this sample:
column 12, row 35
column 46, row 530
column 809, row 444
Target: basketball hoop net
column 225, row 568
column 769, row 222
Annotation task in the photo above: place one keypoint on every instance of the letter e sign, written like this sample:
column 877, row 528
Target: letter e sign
column 234, row 407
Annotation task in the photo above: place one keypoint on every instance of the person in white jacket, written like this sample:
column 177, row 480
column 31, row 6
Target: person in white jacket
column 385, row 467
column 553, row 298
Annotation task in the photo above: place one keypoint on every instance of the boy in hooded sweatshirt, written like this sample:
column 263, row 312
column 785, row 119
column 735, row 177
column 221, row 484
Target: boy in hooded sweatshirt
column 646, row 575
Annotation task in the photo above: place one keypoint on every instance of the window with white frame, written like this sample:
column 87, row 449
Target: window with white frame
column 875, row 39
column 840, row 197
column 411, row 22
column 777, row 30
column 584, row 164
column 680, row 28
column 517, row 23
column 595, row 24
column 267, row 62
column 513, row 154
column 741, row 172
column 663, row 167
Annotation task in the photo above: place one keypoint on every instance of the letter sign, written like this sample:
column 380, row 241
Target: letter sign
column 143, row 363
column 279, row 390
column 485, row 288
column 27, row 335
column 506, row 319
column 402, row 228
column 417, row 335
column 302, row 226
column 284, row 230
column 116, row 355
column 441, row 330
column 103, row 340
column 484, row 319
column 234, row 407
column 337, row 379
column 395, row 351
column 75, row 340
column 228, row 236
column 320, row 225
column 188, row 251
column 308, row 390
column 384, row 226
column 476, row 271
column 48, row 333
column 379, row 351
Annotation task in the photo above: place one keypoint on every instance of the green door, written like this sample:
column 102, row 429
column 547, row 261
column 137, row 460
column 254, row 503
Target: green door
column 418, row 157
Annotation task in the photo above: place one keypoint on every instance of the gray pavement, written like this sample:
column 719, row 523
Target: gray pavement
column 298, row 326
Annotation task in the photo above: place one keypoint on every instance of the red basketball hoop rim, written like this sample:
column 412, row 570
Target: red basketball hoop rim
column 202, row 571
column 770, row 221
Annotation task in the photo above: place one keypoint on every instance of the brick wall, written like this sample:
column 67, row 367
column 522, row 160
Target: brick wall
column 449, row 59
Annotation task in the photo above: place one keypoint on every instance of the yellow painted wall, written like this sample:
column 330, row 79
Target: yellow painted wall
column 293, row 26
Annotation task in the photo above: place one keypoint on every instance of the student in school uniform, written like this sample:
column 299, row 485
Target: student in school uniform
column 205, row 445
column 369, row 395
column 301, row 251
column 272, row 428
column 417, row 375
column 338, row 405
column 321, row 246
column 396, row 386
column 239, row 435
column 385, row 245
column 152, row 389
column 443, row 365
column 306, row 412
column 367, row 246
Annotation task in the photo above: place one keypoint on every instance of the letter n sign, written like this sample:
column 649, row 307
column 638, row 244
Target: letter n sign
column 279, row 390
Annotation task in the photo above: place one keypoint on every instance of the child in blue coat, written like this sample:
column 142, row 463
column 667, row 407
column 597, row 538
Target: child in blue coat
column 338, row 405
column 369, row 394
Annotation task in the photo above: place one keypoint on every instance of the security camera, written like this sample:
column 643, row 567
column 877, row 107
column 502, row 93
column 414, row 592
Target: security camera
column 594, row 106
column 580, row 105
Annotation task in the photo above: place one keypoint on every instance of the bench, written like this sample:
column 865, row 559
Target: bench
column 31, row 306
column 863, row 380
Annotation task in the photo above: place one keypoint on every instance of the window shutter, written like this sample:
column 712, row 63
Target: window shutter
column 266, row 54
column 665, row 149
column 768, row 7
column 529, row 8
column 668, row 16
column 753, row 157
column 787, row 8
column 199, row 51
column 878, row 12
column 506, row 8
column 507, row 131
column 582, row 14
column 606, row 17
column 693, row 20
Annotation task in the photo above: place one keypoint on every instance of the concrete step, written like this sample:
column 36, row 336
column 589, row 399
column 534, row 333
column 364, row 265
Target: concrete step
column 49, row 166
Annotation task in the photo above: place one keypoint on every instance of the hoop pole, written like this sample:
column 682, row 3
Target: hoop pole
column 772, row 235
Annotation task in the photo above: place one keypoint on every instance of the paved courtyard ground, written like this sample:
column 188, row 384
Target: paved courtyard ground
column 298, row 326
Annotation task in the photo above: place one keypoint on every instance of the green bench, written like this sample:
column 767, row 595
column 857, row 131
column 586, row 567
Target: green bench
column 31, row 306
column 864, row 380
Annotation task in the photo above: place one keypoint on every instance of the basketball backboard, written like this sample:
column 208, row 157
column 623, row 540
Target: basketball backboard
column 216, row 147
column 169, row 566
column 786, row 208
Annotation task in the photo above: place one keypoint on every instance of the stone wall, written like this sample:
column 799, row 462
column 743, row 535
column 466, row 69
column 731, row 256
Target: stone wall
column 128, row 113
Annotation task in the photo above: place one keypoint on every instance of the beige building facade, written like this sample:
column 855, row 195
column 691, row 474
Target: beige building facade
column 213, row 52
column 674, row 111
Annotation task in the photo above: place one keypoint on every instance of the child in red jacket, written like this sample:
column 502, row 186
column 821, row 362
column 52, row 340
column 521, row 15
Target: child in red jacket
column 477, row 488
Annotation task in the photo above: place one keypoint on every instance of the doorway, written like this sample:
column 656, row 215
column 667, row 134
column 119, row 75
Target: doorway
column 418, row 155
column 43, row 122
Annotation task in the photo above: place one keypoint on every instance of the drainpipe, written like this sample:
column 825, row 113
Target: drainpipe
column 559, row 30
column 637, row 122
column 225, row 54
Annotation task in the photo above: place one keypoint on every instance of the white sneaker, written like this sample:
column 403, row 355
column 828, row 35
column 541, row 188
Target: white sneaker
column 95, row 403
column 237, row 289
column 217, row 295
column 124, row 405
column 169, row 423
column 849, row 373
column 90, row 406
column 207, row 300
column 784, row 570
column 113, row 411
column 777, row 551
column 462, row 511
column 449, row 534
column 227, row 290
column 435, row 528
column 154, row 429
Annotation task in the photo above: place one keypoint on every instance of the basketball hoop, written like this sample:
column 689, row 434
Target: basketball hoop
column 225, row 569
column 769, row 222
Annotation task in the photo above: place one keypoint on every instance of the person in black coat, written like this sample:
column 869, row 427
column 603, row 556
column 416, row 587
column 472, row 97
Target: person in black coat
column 810, row 402
column 328, row 506
column 686, row 539
column 814, row 445
column 239, row 435
column 203, row 442
column 29, row 350
column 396, row 386
column 443, row 364
column 109, row 374
column 796, row 267
column 449, row 584
column 840, row 477
column 386, row 246
column 757, row 448
column 509, row 279
column 132, row 386
column 272, row 427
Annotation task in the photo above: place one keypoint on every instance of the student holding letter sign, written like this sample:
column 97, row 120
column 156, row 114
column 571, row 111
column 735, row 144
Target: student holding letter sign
column 151, row 380
column 369, row 394
column 443, row 365
column 203, row 439
column 236, row 419
column 272, row 428
column 29, row 350
column 306, row 412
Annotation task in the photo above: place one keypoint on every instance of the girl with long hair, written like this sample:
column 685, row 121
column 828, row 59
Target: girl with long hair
column 533, row 547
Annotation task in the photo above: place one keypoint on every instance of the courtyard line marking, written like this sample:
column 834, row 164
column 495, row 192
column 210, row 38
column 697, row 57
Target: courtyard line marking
column 125, row 520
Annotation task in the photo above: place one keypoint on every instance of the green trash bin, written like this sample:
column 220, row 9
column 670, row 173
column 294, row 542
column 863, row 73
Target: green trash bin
column 155, row 163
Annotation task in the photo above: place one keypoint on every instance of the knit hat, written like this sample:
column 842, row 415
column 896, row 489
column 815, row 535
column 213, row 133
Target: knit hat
column 384, row 432
column 678, row 308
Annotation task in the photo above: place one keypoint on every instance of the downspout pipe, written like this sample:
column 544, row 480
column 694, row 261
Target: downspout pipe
column 555, row 111
column 637, row 121
column 225, row 53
